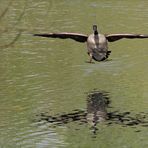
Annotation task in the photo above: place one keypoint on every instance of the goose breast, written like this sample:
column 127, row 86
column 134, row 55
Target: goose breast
column 97, row 45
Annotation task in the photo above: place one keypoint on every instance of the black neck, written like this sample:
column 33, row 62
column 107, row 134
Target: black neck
column 96, row 32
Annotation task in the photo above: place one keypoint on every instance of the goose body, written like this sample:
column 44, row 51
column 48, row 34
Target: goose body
column 97, row 47
column 97, row 44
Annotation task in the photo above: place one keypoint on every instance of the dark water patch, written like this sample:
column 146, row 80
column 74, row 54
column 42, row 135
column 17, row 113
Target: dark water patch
column 96, row 112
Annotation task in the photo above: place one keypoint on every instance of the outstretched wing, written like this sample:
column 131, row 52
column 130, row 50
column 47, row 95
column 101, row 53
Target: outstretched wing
column 115, row 37
column 65, row 35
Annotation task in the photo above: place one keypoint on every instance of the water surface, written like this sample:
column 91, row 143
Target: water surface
column 51, row 77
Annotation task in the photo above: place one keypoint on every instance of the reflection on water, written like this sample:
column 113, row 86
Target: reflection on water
column 126, row 119
column 11, row 29
column 40, row 75
column 97, row 103
column 5, row 10
column 96, row 112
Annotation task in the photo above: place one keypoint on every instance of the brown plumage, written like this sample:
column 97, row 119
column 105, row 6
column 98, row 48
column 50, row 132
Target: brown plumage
column 97, row 44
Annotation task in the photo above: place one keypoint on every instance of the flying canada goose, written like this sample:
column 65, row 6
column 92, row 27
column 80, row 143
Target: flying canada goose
column 97, row 44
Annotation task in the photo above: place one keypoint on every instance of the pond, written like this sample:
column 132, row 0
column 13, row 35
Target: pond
column 50, row 97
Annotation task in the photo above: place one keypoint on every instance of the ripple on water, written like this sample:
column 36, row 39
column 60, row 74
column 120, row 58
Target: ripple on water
column 40, row 137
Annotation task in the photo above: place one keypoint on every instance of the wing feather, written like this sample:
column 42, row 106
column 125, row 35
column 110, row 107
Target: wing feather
column 65, row 35
column 115, row 37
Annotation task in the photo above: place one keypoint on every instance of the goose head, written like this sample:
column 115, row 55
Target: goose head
column 95, row 30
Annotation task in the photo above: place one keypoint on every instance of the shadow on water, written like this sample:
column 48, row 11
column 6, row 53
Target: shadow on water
column 96, row 112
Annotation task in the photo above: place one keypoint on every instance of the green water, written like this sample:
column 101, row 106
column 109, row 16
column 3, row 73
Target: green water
column 41, row 75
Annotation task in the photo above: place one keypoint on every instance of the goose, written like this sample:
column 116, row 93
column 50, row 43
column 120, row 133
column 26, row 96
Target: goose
column 97, row 43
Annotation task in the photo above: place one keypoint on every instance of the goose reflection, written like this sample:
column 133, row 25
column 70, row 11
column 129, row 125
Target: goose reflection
column 96, row 112
column 97, row 103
